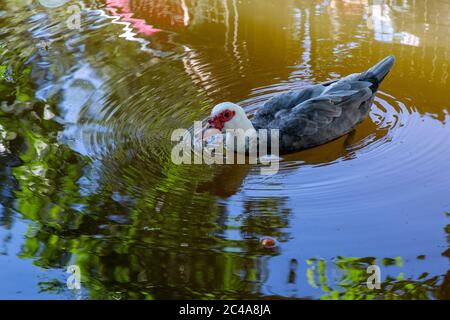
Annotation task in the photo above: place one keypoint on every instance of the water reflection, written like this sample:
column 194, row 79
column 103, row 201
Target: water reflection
column 87, row 177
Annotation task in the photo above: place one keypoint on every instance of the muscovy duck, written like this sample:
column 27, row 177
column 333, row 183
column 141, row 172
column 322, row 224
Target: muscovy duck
column 310, row 116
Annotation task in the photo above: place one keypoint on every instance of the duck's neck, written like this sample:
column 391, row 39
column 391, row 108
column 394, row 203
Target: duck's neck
column 245, row 124
column 246, row 132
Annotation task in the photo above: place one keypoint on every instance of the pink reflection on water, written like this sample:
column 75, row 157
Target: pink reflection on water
column 127, row 15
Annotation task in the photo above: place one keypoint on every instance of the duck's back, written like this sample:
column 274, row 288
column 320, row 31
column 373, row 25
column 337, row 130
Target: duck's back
column 317, row 114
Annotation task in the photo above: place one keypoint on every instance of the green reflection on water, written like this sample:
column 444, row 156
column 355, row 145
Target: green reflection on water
column 349, row 277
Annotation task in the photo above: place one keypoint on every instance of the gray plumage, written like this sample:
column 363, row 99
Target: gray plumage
column 320, row 113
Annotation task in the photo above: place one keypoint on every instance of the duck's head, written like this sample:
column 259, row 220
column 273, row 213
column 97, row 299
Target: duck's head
column 228, row 116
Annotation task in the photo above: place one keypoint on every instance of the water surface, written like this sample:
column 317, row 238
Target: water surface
column 86, row 176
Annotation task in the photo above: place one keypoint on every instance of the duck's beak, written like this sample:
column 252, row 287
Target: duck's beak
column 206, row 132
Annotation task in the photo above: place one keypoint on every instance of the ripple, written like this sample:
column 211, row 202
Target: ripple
column 394, row 147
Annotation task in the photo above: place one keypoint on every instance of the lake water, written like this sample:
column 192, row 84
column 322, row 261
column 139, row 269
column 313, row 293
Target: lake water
column 91, row 92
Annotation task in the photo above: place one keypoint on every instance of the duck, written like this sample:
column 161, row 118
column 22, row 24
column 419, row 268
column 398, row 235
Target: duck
column 310, row 116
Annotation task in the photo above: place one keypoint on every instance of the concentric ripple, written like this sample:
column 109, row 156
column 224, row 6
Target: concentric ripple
column 394, row 147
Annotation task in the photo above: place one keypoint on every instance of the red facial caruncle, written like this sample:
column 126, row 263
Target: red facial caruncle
column 218, row 121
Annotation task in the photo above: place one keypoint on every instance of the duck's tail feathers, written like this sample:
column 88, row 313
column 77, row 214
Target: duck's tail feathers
column 378, row 72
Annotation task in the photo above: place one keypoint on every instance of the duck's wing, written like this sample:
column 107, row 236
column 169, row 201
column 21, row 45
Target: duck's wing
column 307, row 110
column 321, row 113
column 284, row 102
column 320, row 119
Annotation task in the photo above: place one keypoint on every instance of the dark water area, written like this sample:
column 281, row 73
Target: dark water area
column 86, row 176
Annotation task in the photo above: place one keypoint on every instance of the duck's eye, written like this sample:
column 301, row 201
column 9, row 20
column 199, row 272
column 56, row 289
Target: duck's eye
column 226, row 114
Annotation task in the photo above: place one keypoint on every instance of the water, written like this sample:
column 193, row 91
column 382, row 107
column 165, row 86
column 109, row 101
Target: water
column 87, row 179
